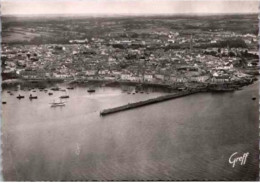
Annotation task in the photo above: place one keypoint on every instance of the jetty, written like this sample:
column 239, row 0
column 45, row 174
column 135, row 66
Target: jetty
column 147, row 102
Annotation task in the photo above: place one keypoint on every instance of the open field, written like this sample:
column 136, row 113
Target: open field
column 50, row 29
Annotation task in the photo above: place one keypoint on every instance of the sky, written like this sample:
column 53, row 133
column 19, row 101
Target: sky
column 127, row 7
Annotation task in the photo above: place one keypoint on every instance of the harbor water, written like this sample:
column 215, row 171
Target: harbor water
column 188, row 138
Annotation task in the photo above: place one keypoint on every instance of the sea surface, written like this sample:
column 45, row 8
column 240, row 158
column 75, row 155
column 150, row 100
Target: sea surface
column 189, row 138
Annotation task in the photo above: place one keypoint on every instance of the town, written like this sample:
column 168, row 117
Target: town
column 217, row 59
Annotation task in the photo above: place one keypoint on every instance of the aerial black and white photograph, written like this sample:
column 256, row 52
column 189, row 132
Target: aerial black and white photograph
column 127, row 90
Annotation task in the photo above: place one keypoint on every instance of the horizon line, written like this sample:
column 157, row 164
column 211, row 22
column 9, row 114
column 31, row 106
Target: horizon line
column 126, row 14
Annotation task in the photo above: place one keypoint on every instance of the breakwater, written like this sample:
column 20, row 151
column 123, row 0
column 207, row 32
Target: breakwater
column 147, row 102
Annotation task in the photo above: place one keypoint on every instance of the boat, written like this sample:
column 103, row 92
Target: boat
column 32, row 97
column 253, row 98
column 3, row 102
column 50, row 93
column 57, row 104
column 221, row 89
column 70, row 88
column 91, row 90
column 55, row 89
column 10, row 93
column 63, row 90
column 20, row 96
column 65, row 96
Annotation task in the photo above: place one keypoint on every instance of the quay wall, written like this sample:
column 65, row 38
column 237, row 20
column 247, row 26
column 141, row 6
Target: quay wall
column 147, row 102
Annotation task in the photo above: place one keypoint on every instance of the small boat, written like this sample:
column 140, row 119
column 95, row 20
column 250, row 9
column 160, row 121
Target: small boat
column 65, row 96
column 50, row 93
column 33, row 91
column 57, row 104
column 141, row 91
column 3, row 102
column 10, row 93
column 63, row 90
column 91, row 90
column 32, row 97
column 55, row 89
column 253, row 98
column 70, row 88
column 20, row 97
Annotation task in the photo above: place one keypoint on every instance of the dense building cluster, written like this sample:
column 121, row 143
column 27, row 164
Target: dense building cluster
column 166, row 57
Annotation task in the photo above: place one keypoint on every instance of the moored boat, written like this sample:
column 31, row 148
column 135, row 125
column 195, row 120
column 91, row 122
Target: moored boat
column 65, row 96
column 20, row 96
column 55, row 89
column 57, row 104
column 32, row 97
column 91, row 90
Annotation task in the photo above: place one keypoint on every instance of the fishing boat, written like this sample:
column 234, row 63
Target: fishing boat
column 91, row 90
column 50, row 93
column 32, row 97
column 55, row 89
column 65, row 96
column 57, row 104
column 20, row 96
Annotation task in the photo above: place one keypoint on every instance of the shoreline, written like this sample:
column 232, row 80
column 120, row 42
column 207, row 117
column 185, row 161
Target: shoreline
column 206, row 86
